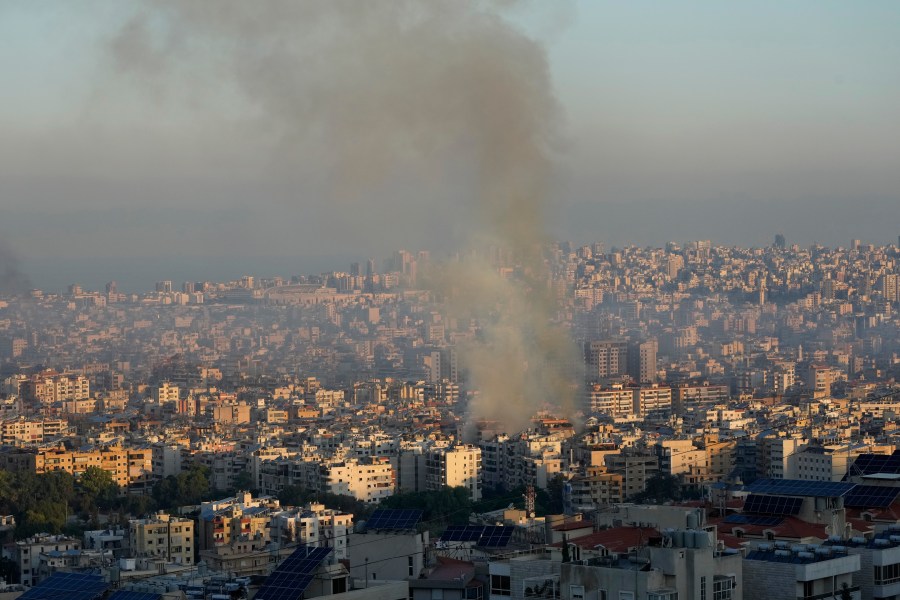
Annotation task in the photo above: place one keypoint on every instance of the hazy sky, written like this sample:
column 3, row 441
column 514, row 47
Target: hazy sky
column 677, row 121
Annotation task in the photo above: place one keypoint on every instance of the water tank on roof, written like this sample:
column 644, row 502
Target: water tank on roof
column 690, row 541
column 692, row 521
column 701, row 539
column 881, row 542
column 858, row 540
column 764, row 547
column 679, row 538
column 783, row 553
column 806, row 555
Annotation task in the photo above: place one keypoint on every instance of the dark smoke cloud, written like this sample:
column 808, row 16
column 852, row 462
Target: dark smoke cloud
column 12, row 279
column 370, row 91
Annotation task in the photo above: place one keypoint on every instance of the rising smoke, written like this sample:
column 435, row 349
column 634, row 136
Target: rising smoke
column 12, row 279
column 374, row 89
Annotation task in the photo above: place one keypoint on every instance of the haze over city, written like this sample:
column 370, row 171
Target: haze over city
column 671, row 122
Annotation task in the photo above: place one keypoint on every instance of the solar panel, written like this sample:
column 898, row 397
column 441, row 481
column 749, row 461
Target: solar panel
column 396, row 519
column 496, row 537
column 462, row 533
column 488, row 536
column 68, row 586
column 129, row 595
column 289, row 580
column 869, row 464
column 800, row 487
column 753, row 520
column 772, row 505
column 871, row 496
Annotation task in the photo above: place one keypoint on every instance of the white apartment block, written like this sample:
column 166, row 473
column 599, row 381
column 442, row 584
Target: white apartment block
column 459, row 466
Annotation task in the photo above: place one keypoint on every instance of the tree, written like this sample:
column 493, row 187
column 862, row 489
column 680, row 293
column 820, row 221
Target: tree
column 660, row 488
column 99, row 489
column 187, row 488
column 846, row 593
column 193, row 485
column 243, row 482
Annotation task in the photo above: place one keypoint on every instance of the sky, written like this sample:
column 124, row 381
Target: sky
column 673, row 121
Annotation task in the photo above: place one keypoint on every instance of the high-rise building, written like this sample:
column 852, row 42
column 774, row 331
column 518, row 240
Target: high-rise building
column 889, row 286
column 641, row 361
column 606, row 358
column 779, row 241
column 459, row 466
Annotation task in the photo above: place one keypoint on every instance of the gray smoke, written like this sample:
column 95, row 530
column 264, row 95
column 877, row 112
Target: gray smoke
column 12, row 279
column 374, row 90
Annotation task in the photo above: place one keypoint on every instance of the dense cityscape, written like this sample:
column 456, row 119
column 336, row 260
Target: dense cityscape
column 728, row 431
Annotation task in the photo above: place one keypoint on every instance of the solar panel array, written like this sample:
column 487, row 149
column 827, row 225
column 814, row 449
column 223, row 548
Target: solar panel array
column 800, row 487
column 129, row 595
column 496, row 536
column 753, row 520
column 291, row 578
column 394, row 518
column 772, row 505
column 462, row 533
column 68, row 586
column 869, row 464
column 489, row 536
column 871, row 496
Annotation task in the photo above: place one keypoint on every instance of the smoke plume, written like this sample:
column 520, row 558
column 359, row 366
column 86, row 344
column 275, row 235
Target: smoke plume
column 12, row 279
column 373, row 90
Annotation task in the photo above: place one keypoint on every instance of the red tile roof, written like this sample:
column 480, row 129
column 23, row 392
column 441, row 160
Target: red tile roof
column 616, row 539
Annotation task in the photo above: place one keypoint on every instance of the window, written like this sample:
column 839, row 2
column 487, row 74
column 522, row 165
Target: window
column 410, row 560
column 722, row 588
column 808, row 588
column 703, row 588
column 887, row 574
column 626, row 595
column 576, row 592
column 601, row 595
column 500, row 585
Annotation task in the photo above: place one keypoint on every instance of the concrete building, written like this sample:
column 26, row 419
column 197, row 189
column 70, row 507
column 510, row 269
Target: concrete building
column 391, row 556
column 313, row 525
column 221, row 521
column 676, row 564
column 29, row 551
column 606, row 359
column 162, row 536
column 781, row 571
column 458, row 466
column 369, row 479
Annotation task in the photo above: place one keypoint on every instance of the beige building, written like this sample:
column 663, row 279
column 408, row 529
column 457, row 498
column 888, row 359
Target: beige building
column 370, row 479
column 162, row 536
column 53, row 387
column 29, row 551
column 223, row 521
column 459, row 466
column 22, row 431
column 128, row 466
